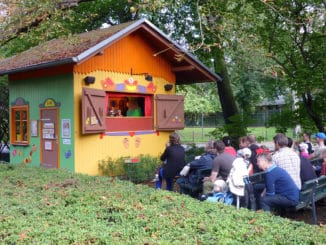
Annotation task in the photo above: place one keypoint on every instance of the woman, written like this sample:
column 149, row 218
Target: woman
column 174, row 158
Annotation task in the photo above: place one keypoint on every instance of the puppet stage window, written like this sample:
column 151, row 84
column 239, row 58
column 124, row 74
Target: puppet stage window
column 129, row 112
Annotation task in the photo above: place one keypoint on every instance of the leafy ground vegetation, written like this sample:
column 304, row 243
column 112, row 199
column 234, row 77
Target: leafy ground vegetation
column 40, row 206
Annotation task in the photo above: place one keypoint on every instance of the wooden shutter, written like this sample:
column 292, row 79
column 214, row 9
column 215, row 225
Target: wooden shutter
column 169, row 112
column 93, row 115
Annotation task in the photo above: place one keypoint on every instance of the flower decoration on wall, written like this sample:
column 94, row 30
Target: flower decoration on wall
column 131, row 84
column 151, row 88
column 108, row 84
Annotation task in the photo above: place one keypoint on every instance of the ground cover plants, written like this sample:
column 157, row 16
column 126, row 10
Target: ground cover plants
column 40, row 206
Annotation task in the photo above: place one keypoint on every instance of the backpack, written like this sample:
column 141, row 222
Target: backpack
column 223, row 197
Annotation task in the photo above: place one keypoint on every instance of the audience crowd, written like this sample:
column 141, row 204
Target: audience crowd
column 286, row 167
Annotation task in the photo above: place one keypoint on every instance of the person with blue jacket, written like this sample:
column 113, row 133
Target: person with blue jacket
column 281, row 191
column 193, row 180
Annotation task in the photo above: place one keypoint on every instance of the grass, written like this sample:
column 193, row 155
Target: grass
column 200, row 135
column 40, row 206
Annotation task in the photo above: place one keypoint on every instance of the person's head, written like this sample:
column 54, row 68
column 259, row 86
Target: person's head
column 290, row 142
column 219, row 146
column 227, row 140
column 132, row 103
column 251, row 139
column 210, row 146
column 174, row 139
column 243, row 142
column 264, row 161
column 306, row 137
column 320, row 137
column 303, row 147
column 245, row 153
column 280, row 140
column 220, row 186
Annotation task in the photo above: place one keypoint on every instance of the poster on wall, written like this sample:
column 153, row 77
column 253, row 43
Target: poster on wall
column 65, row 128
column 48, row 145
column 34, row 128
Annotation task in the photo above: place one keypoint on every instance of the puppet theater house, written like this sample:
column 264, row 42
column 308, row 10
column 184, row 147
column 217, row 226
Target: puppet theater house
column 107, row 92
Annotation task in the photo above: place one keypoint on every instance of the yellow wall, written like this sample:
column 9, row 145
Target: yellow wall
column 89, row 149
column 116, row 62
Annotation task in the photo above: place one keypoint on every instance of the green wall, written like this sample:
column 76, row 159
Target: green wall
column 35, row 92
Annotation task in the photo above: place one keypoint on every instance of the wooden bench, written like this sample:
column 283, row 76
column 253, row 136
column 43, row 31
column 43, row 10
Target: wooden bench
column 311, row 192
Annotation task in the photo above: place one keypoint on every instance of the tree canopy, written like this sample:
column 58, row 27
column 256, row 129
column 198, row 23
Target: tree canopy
column 260, row 48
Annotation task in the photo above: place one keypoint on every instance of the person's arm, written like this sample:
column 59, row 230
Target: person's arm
column 164, row 155
column 212, row 177
column 270, row 185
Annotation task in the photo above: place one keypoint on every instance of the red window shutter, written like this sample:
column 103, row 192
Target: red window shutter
column 93, row 114
column 169, row 112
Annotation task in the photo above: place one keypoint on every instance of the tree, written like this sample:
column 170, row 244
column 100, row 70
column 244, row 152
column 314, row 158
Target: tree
column 293, row 34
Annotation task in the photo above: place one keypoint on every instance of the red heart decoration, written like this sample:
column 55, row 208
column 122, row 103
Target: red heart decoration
column 157, row 133
column 131, row 134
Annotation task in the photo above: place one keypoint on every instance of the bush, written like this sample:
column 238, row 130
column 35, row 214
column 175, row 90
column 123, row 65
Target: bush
column 137, row 170
column 47, row 206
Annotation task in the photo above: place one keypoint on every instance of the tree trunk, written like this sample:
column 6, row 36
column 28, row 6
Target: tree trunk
column 228, row 103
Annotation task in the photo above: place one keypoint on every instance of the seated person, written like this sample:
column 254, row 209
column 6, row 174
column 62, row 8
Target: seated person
column 133, row 108
column 281, row 191
column 323, row 166
column 222, row 165
column 307, row 171
column 193, row 180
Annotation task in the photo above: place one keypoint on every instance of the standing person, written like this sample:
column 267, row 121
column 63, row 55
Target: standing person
column 222, row 165
column 253, row 146
column 307, row 140
column 281, row 191
column 227, row 140
column 174, row 158
column 320, row 140
column 286, row 158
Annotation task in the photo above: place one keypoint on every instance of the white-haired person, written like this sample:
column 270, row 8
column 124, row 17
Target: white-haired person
column 239, row 170
column 303, row 148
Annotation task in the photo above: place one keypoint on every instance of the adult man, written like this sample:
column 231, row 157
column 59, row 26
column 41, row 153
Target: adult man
column 320, row 140
column 281, row 191
column 253, row 146
column 287, row 158
column 222, row 165
column 193, row 180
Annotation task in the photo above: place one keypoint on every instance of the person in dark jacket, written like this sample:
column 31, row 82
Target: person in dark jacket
column 192, row 184
column 174, row 160
column 253, row 146
column 307, row 171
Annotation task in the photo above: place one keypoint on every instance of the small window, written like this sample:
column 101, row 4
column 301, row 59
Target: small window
column 19, row 125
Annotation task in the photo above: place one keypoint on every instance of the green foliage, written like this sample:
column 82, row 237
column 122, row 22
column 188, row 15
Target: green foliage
column 192, row 151
column 43, row 206
column 4, row 110
column 137, row 170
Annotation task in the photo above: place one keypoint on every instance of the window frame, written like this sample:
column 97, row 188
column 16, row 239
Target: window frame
column 129, row 123
column 13, row 132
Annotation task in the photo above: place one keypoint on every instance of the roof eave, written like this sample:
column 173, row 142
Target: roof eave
column 39, row 66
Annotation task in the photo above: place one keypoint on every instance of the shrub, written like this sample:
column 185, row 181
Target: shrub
column 48, row 206
column 137, row 170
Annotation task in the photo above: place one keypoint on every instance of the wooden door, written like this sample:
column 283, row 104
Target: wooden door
column 49, row 138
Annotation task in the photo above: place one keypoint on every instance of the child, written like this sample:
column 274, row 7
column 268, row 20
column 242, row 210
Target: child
column 303, row 147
